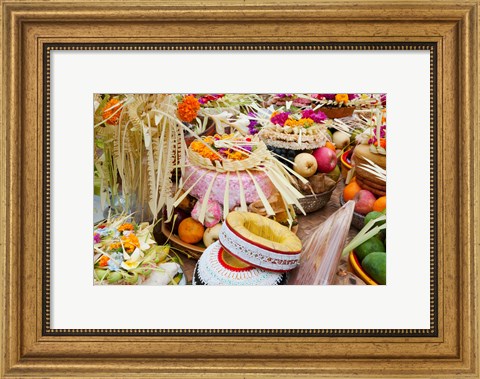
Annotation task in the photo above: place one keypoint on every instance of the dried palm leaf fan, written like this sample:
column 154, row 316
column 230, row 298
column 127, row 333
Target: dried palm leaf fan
column 322, row 251
column 257, row 160
column 148, row 144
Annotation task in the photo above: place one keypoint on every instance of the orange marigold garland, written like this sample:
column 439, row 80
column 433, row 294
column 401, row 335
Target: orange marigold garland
column 206, row 149
column 126, row 226
column 111, row 113
column 188, row 108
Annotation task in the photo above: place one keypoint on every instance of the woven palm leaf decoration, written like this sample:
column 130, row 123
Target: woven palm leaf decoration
column 148, row 144
column 258, row 159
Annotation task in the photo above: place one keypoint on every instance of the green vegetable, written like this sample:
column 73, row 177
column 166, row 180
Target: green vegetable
column 375, row 265
column 369, row 246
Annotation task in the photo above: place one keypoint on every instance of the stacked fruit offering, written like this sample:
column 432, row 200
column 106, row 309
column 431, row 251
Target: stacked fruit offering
column 252, row 250
column 365, row 200
column 368, row 186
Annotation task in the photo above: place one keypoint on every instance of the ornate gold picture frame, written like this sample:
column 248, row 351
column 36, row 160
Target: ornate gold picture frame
column 32, row 29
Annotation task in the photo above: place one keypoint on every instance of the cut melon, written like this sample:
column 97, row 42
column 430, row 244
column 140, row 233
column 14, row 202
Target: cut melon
column 260, row 241
column 264, row 232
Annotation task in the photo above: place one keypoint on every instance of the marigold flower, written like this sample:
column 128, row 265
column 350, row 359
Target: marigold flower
column 130, row 242
column 203, row 150
column 111, row 112
column 236, row 155
column 188, row 108
column 341, row 98
column 115, row 246
column 103, row 261
column 126, row 226
column 303, row 122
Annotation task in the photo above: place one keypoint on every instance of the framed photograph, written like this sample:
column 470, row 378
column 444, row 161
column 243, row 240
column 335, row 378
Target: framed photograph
column 239, row 146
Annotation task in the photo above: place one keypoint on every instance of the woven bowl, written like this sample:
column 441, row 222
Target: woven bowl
column 313, row 203
column 337, row 112
column 357, row 218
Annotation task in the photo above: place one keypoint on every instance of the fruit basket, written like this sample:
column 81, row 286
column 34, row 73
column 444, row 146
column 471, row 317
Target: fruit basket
column 313, row 203
column 358, row 270
column 358, row 220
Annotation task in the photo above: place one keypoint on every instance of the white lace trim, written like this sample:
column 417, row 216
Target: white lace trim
column 211, row 272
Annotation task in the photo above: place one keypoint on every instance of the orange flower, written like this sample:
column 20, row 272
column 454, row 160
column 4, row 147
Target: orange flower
column 115, row 246
column 126, row 226
column 130, row 242
column 203, row 150
column 103, row 261
column 236, row 155
column 341, row 98
column 188, row 108
column 305, row 122
column 111, row 113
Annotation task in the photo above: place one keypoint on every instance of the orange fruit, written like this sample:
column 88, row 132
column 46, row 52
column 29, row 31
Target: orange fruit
column 351, row 190
column 330, row 145
column 190, row 231
column 380, row 204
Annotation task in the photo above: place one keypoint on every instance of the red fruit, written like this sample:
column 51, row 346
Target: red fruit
column 364, row 201
column 326, row 159
column 178, row 216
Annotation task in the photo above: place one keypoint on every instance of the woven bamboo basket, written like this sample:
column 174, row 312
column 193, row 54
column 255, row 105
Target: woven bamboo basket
column 313, row 203
column 254, row 159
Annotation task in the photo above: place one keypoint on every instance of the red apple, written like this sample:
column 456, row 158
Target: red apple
column 326, row 159
column 364, row 202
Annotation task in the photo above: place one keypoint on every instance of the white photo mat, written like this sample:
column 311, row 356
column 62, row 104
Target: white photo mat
column 404, row 303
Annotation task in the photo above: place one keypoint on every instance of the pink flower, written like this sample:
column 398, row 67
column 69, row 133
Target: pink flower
column 97, row 238
column 317, row 117
column 280, row 118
